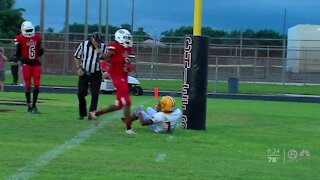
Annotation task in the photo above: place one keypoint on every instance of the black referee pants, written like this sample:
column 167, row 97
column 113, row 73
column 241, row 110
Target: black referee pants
column 94, row 81
column 14, row 72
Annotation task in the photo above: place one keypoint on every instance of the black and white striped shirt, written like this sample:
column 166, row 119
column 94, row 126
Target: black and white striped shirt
column 89, row 56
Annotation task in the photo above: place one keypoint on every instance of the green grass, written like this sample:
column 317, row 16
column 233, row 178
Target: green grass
column 233, row 146
column 7, row 64
column 176, row 85
column 52, row 80
column 245, row 88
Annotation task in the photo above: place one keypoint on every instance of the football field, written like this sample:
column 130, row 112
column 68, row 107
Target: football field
column 244, row 139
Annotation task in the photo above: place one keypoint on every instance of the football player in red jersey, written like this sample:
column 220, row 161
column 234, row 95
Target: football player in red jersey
column 28, row 52
column 118, row 55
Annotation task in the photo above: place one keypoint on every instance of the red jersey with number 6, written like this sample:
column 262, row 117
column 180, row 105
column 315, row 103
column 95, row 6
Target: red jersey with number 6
column 118, row 61
column 29, row 46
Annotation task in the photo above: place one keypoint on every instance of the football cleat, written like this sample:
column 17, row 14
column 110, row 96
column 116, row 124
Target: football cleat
column 93, row 118
column 130, row 132
column 35, row 111
column 29, row 111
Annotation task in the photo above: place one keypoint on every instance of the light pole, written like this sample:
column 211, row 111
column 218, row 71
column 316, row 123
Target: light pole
column 86, row 21
column 42, row 29
column 66, row 38
column 100, row 11
column 107, row 20
column 132, row 17
column 42, row 19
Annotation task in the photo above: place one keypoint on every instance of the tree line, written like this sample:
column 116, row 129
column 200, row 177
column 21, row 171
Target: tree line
column 12, row 18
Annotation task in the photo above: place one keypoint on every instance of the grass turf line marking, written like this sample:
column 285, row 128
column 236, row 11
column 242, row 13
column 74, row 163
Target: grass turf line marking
column 44, row 159
column 160, row 157
column 170, row 138
column 34, row 166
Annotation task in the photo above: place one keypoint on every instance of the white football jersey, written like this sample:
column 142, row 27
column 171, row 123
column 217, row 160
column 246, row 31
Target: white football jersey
column 165, row 121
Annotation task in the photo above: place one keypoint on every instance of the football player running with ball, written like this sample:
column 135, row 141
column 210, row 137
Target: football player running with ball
column 28, row 51
column 118, row 55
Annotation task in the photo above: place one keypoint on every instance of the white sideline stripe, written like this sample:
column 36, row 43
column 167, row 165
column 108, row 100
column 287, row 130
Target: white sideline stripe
column 34, row 166
column 44, row 159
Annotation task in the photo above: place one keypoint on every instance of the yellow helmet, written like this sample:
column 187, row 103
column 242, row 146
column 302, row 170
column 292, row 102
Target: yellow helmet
column 167, row 104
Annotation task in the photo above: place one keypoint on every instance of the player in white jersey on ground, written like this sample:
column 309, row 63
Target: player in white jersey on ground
column 163, row 119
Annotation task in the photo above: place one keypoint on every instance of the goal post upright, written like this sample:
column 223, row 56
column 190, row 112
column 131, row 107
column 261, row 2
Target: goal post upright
column 195, row 75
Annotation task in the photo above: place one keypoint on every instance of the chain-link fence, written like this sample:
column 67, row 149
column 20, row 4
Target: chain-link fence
column 252, row 60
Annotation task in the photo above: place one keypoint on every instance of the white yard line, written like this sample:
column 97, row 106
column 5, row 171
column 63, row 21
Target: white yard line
column 36, row 165
column 162, row 156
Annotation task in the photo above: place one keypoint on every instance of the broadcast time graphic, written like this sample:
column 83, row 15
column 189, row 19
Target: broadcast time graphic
column 275, row 155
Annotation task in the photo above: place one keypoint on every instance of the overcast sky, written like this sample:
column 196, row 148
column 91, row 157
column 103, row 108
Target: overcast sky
column 156, row 16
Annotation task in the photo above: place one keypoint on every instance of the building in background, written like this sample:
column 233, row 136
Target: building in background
column 303, row 49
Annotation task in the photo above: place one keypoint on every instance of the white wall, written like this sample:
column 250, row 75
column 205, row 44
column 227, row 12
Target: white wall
column 303, row 52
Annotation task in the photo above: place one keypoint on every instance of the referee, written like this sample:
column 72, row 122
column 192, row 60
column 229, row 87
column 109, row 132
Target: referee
column 87, row 59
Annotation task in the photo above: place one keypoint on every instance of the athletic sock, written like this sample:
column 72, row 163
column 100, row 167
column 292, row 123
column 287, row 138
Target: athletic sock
column 99, row 113
column 128, row 123
column 28, row 97
column 35, row 97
